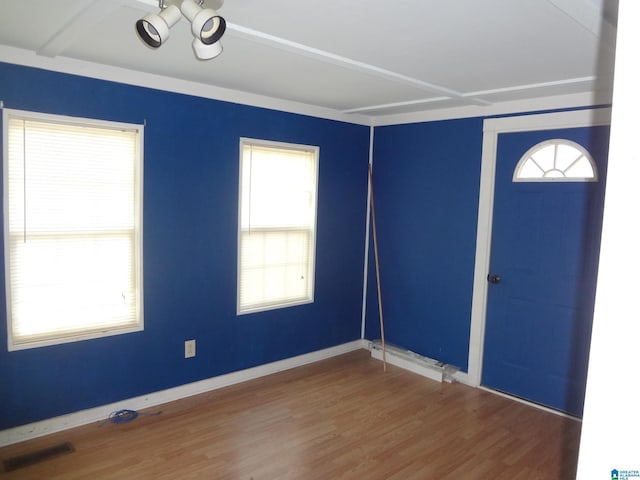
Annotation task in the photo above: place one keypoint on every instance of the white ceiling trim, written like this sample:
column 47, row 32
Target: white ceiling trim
column 96, row 10
column 479, row 93
column 169, row 84
column 115, row 74
column 396, row 104
column 317, row 54
column 575, row 100
column 517, row 88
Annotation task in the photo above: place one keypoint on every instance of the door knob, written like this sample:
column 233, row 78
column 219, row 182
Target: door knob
column 493, row 278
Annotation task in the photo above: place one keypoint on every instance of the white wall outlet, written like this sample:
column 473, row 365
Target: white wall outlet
column 189, row 348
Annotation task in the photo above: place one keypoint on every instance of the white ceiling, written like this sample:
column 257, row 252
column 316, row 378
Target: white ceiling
column 365, row 61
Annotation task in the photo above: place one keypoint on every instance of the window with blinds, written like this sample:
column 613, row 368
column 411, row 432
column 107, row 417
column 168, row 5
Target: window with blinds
column 277, row 225
column 72, row 228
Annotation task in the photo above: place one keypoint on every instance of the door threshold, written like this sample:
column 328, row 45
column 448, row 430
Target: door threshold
column 530, row 403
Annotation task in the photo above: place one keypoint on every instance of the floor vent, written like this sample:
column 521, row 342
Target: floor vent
column 38, row 456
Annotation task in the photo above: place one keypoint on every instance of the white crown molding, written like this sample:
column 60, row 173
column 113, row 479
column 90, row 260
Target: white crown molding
column 141, row 79
column 575, row 100
column 121, row 75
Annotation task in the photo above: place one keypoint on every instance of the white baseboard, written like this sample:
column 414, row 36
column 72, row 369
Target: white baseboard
column 84, row 417
column 463, row 377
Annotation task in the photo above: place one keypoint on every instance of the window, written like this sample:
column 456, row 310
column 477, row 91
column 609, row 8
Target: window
column 72, row 228
column 556, row 160
column 276, row 240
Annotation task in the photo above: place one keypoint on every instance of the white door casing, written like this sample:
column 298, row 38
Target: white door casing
column 491, row 129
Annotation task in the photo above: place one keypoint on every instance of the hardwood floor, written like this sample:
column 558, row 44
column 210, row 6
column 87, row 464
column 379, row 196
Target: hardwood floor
column 341, row 418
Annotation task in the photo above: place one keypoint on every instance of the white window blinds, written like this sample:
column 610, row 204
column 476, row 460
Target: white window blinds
column 72, row 229
column 276, row 253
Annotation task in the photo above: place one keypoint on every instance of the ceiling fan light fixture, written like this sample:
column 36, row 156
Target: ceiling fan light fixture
column 153, row 29
column 204, row 51
column 206, row 25
column 211, row 30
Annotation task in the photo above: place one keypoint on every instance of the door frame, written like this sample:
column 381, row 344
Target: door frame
column 492, row 127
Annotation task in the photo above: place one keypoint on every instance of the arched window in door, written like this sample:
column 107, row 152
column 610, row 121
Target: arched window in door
column 556, row 160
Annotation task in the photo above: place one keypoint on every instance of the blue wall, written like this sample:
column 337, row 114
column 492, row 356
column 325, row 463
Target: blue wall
column 426, row 187
column 426, row 183
column 190, row 228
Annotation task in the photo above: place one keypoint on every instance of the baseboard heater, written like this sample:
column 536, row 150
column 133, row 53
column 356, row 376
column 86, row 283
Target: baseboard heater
column 427, row 367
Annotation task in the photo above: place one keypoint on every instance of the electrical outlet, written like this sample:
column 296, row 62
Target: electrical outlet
column 189, row 348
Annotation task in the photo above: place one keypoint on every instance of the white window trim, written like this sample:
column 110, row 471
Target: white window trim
column 282, row 145
column 14, row 345
column 557, row 141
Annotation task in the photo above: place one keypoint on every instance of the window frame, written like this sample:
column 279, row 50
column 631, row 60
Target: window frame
column 90, row 332
column 555, row 142
column 310, row 298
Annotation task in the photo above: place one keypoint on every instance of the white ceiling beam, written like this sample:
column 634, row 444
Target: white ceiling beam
column 344, row 62
column 531, row 86
column 293, row 47
column 479, row 93
column 79, row 24
column 386, row 106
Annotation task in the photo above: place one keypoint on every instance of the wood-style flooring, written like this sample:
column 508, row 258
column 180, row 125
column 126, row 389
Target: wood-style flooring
column 341, row 418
